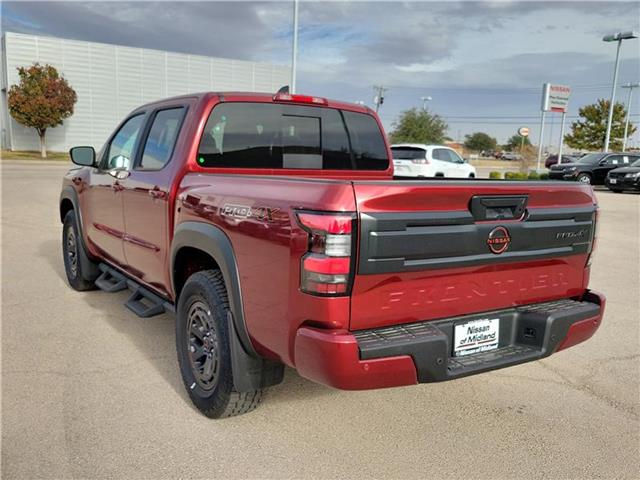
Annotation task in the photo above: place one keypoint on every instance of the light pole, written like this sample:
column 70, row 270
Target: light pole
column 630, row 86
column 616, row 37
column 294, row 50
column 379, row 98
column 424, row 102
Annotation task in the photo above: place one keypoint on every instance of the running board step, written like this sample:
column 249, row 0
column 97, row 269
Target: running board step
column 110, row 280
column 142, row 301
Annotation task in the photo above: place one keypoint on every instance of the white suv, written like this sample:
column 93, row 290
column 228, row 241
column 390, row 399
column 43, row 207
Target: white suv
column 418, row 160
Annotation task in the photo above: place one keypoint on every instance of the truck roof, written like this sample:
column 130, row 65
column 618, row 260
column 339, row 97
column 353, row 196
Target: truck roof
column 419, row 145
column 231, row 96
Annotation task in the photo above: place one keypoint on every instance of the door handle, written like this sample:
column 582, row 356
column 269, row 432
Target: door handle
column 155, row 192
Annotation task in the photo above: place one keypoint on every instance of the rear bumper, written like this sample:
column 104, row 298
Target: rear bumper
column 422, row 352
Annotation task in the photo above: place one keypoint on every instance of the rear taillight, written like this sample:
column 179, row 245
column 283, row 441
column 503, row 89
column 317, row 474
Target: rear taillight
column 327, row 266
column 420, row 161
column 594, row 236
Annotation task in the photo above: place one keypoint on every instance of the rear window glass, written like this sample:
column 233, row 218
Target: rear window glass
column 408, row 153
column 273, row 136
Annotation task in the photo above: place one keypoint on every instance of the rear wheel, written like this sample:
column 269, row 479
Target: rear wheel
column 203, row 347
column 74, row 255
column 584, row 178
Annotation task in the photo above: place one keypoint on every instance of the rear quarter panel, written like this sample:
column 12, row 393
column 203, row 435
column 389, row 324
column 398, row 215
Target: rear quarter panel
column 268, row 246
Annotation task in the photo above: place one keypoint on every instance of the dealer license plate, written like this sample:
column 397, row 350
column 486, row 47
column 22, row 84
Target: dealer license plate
column 476, row 336
column 613, row 180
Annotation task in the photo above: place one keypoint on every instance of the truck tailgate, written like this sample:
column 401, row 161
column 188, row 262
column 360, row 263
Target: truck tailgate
column 437, row 249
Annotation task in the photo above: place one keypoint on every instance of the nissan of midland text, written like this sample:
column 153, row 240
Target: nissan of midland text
column 272, row 226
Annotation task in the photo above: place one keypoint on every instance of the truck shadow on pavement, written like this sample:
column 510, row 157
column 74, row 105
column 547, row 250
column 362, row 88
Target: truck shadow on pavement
column 155, row 337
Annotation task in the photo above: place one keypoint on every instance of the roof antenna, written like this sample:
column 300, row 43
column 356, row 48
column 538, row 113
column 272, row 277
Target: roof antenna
column 284, row 89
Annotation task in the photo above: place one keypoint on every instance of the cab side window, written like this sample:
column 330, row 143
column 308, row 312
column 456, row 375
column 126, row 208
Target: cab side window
column 121, row 149
column 614, row 160
column 162, row 138
column 441, row 154
column 455, row 158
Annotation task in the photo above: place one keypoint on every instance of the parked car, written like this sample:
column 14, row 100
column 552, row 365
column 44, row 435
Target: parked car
column 511, row 157
column 418, row 160
column 624, row 178
column 553, row 159
column 592, row 168
column 273, row 228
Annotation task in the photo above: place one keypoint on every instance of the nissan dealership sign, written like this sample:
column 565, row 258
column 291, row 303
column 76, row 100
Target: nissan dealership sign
column 555, row 98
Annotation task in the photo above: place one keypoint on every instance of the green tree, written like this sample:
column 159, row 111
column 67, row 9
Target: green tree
column 418, row 126
column 480, row 141
column 515, row 142
column 589, row 132
column 42, row 99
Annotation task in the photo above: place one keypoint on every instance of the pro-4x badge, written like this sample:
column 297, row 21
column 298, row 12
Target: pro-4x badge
column 498, row 240
column 242, row 212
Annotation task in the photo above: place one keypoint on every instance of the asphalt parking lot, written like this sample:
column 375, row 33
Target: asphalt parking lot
column 89, row 390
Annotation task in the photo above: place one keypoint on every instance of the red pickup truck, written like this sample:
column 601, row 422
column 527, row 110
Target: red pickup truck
column 274, row 229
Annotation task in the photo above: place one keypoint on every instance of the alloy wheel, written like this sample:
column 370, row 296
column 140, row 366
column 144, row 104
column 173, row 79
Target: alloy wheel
column 203, row 345
column 72, row 252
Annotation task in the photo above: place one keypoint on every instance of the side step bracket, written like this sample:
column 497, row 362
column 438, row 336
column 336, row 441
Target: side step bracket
column 110, row 280
column 142, row 301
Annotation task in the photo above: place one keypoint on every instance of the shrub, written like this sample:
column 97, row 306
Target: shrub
column 534, row 176
column 509, row 175
column 544, row 176
column 495, row 175
column 521, row 176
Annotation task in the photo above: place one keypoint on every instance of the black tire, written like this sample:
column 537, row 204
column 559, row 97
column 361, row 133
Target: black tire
column 201, row 326
column 472, row 175
column 583, row 178
column 74, row 256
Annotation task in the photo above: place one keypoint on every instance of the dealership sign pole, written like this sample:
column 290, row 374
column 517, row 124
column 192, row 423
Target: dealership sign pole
column 564, row 114
column 555, row 98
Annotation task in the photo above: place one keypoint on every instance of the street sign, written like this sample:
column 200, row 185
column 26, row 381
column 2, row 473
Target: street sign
column 555, row 98
column 523, row 131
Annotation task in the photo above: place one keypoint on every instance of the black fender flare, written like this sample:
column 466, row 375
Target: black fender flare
column 251, row 372
column 89, row 267
column 213, row 241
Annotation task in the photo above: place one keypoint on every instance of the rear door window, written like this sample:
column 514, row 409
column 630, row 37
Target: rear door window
column 274, row 136
column 161, row 139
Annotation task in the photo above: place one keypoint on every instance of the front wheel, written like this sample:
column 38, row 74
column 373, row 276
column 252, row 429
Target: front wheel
column 204, row 351
column 74, row 256
column 584, row 178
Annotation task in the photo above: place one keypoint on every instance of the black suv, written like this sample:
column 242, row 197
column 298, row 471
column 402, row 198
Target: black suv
column 592, row 168
column 624, row 178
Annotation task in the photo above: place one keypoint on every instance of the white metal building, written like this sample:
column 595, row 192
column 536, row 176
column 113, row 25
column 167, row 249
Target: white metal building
column 111, row 80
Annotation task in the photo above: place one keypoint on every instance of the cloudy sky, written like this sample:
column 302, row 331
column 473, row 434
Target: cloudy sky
column 483, row 63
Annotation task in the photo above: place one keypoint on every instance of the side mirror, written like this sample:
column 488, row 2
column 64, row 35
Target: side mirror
column 119, row 173
column 83, row 156
column 602, row 162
